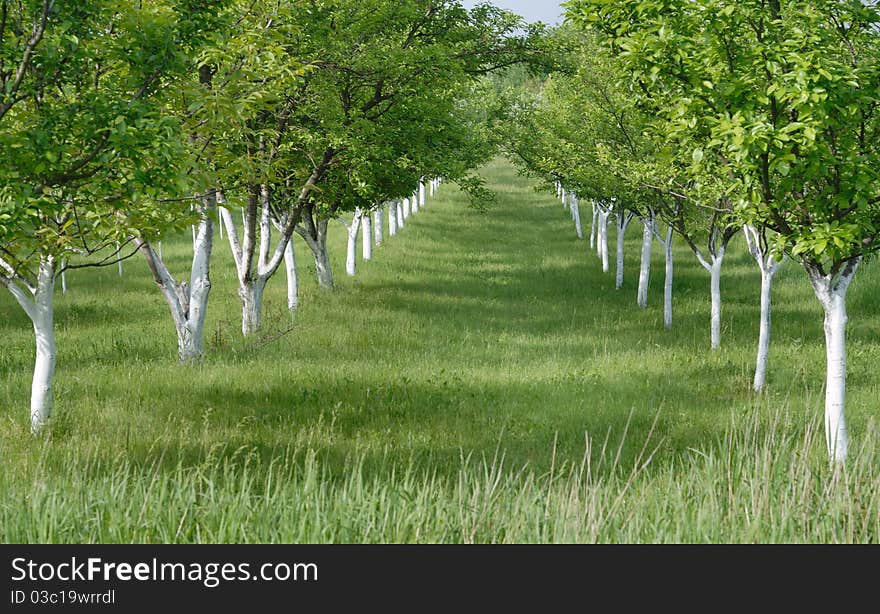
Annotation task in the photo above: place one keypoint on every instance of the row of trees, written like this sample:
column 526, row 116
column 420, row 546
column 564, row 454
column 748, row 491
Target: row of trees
column 124, row 121
column 716, row 117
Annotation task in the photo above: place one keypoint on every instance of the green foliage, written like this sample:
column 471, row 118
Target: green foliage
column 86, row 147
column 781, row 97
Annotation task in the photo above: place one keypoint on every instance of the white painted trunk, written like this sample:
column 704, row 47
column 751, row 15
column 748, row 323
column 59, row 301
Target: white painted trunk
column 832, row 294
column 367, row 240
column 422, row 194
column 63, row 278
column 400, row 215
column 715, row 273
column 593, row 227
column 603, row 241
column 576, row 214
column 406, row 209
column 43, row 319
column 623, row 220
column 251, row 294
column 667, row 283
column 392, row 219
column 764, row 336
column 351, row 253
column 377, row 225
column 645, row 265
column 292, row 276
column 322, row 257
column 835, row 383
column 199, row 290
column 119, row 258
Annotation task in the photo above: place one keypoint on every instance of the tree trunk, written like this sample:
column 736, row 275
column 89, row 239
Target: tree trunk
column 576, row 214
column 377, row 225
column 715, row 272
column 835, row 385
column 251, row 294
column 593, row 227
column 199, row 288
column 407, row 209
column 188, row 303
column 623, row 220
column 645, row 266
column 322, row 257
column 43, row 319
column 351, row 254
column 392, row 219
column 400, row 213
column 768, row 266
column 713, row 265
column 421, row 194
column 603, row 240
column 764, row 336
column 831, row 292
column 368, row 236
column 667, row 283
column 292, row 276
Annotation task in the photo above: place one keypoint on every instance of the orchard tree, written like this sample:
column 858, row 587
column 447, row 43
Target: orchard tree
column 205, row 114
column 86, row 150
column 784, row 96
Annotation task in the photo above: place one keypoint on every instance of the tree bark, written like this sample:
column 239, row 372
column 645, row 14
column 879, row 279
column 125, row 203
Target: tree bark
column 623, row 220
column 768, row 267
column 593, row 227
column 603, row 239
column 367, row 241
column 576, row 214
column 251, row 294
column 645, row 265
column 187, row 302
column 713, row 265
column 392, row 218
column 377, row 224
column 292, row 277
column 353, row 232
column 667, row 282
column 318, row 247
column 831, row 292
column 715, row 272
column 43, row 320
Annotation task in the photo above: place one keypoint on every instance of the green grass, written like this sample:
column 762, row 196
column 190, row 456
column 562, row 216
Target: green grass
column 480, row 380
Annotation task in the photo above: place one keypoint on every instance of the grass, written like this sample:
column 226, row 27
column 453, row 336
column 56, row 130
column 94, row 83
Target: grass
column 480, row 380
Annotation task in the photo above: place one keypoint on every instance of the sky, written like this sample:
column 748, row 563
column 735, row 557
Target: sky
column 547, row 11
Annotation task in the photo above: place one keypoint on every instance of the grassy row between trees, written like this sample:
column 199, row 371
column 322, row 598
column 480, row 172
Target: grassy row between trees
column 480, row 380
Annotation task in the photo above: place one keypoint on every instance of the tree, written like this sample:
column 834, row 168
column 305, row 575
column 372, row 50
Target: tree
column 86, row 149
column 783, row 96
column 194, row 101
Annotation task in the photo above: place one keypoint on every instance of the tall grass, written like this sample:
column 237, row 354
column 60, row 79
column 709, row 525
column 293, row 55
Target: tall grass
column 760, row 482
